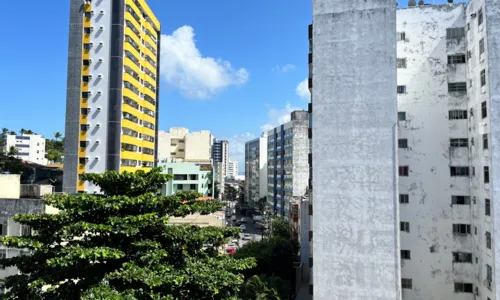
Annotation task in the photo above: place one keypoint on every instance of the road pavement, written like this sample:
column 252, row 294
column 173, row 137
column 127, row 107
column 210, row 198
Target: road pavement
column 250, row 234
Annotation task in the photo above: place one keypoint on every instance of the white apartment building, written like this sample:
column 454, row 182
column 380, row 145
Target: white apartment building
column 30, row 147
column 255, row 169
column 448, row 70
column 232, row 169
column 183, row 145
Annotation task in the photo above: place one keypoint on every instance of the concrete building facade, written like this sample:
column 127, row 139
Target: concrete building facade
column 188, row 176
column 287, row 162
column 255, row 169
column 448, row 81
column 16, row 198
column 355, row 225
column 112, row 103
column 30, row 147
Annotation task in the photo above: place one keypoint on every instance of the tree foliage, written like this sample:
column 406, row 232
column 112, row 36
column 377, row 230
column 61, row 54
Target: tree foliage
column 119, row 245
column 257, row 289
column 10, row 163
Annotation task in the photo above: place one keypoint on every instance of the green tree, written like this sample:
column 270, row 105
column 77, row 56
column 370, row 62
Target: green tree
column 57, row 135
column 256, row 289
column 10, row 163
column 5, row 131
column 22, row 131
column 12, row 133
column 119, row 245
column 54, row 155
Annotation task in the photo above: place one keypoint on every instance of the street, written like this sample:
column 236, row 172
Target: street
column 250, row 234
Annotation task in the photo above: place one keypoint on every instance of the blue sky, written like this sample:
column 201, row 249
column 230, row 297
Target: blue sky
column 232, row 67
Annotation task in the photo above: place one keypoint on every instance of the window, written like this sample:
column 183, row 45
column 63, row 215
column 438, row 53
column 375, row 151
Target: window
column 456, row 59
column 25, row 230
column 82, row 160
column 173, row 153
column 401, row 89
column 87, row 30
column 405, row 226
column 481, row 46
column 401, row 116
column 459, row 171
column 483, row 77
column 488, row 240
column 462, row 257
column 3, row 255
column 84, row 111
column 403, row 143
column 3, row 227
column 485, row 141
column 84, row 127
column 406, row 283
column 455, row 33
column 88, row 14
column 461, row 287
column 401, row 36
column 405, row 254
column 489, row 273
column 480, row 17
column 86, row 62
column 85, row 78
column 87, row 46
column 486, row 174
column 484, row 110
column 457, row 87
column 192, row 187
column 181, row 150
column 85, row 94
column 487, row 207
column 461, row 229
column 457, row 114
column 180, row 187
column 403, row 170
column 173, row 144
column 404, row 198
column 460, row 200
column 457, row 143
column 401, row 63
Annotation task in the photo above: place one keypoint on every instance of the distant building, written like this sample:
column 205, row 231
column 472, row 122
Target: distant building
column 29, row 147
column 188, row 176
column 232, row 169
column 183, row 145
column 255, row 169
column 220, row 155
column 287, row 162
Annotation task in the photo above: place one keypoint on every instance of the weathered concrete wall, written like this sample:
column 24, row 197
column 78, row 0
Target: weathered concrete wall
column 490, row 62
column 428, row 130
column 356, row 252
column 10, row 186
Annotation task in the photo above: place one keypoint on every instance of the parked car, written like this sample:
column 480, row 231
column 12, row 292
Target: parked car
column 243, row 227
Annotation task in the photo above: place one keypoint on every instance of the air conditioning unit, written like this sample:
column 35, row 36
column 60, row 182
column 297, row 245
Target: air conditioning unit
column 97, row 125
column 97, row 142
column 99, row 76
column 101, row 28
column 102, row 12
column 473, row 15
column 96, row 158
column 100, row 43
column 98, row 93
column 98, row 109
column 100, row 59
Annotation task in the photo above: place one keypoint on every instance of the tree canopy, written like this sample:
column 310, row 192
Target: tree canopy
column 119, row 245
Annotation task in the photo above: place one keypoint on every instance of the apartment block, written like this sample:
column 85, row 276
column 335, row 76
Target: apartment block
column 188, row 176
column 255, row 169
column 183, row 145
column 448, row 79
column 287, row 162
column 232, row 169
column 354, row 162
column 30, row 147
column 220, row 155
column 112, row 89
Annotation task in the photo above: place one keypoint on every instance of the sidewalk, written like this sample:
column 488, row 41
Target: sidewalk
column 303, row 293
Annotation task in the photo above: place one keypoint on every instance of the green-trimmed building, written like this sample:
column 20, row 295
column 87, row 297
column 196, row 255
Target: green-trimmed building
column 188, row 176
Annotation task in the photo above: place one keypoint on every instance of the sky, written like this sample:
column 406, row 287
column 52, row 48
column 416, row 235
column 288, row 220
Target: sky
column 232, row 67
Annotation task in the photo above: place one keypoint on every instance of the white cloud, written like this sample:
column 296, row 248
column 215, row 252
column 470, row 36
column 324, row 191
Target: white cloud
column 237, row 148
column 302, row 90
column 184, row 68
column 284, row 68
column 276, row 117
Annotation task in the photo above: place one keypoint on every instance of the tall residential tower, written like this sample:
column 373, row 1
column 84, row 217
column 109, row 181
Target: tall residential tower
column 112, row 89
